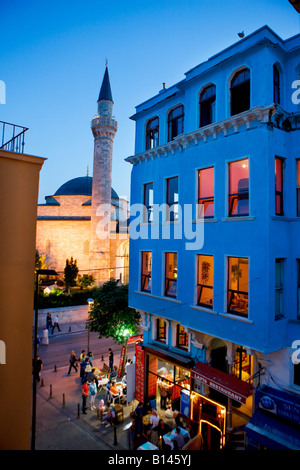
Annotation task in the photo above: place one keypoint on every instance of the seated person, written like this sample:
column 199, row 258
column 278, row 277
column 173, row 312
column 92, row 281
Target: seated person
column 178, row 440
column 114, row 390
column 101, row 409
column 109, row 416
column 154, row 420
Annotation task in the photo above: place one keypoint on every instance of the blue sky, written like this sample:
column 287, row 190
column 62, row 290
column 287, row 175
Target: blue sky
column 53, row 55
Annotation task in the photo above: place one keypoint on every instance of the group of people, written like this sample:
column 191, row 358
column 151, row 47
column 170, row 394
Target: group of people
column 51, row 326
column 155, row 428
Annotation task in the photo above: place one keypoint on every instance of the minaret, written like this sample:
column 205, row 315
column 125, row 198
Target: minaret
column 104, row 128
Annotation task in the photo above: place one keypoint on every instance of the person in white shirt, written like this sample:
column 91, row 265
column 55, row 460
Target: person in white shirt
column 154, row 420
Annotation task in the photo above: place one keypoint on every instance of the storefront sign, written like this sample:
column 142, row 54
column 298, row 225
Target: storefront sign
column 139, row 372
column 122, row 356
column 280, row 403
column 134, row 339
column 224, row 383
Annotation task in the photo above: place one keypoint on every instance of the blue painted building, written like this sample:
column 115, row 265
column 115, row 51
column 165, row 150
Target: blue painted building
column 215, row 267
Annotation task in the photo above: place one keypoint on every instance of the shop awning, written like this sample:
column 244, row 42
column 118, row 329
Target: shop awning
column 224, row 383
column 170, row 356
column 270, row 432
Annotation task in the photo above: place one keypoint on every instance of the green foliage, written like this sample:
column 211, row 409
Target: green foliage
column 78, row 297
column 111, row 317
column 70, row 273
column 85, row 281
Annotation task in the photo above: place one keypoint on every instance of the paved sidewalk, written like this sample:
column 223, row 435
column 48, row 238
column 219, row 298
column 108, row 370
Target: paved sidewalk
column 60, row 427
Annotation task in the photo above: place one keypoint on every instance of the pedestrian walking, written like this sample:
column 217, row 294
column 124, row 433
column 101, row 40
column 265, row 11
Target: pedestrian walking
column 92, row 393
column 111, row 359
column 37, row 368
column 85, row 394
column 73, row 362
column 56, row 324
column 45, row 339
column 48, row 321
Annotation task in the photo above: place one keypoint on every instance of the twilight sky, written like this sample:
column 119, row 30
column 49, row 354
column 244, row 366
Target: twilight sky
column 52, row 60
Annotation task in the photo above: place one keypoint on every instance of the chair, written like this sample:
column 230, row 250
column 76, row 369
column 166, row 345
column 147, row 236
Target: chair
column 114, row 398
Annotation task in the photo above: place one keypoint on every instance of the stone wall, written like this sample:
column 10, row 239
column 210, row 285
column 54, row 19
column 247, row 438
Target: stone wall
column 67, row 315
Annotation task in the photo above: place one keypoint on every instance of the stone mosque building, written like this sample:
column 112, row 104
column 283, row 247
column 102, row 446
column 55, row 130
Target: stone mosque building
column 85, row 218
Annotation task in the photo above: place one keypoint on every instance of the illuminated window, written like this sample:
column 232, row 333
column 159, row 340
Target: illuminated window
column 182, row 337
column 279, row 289
column 175, row 122
column 207, row 105
column 238, row 204
column 171, row 274
column 276, row 85
column 205, row 281
column 206, row 192
column 278, row 186
column 172, row 198
column 298, row 188
column 240, row 92
column 152, row 133
column 161, row 330
column 148, row 202
column 238, row 286
column 146, row 271
column 242, row 364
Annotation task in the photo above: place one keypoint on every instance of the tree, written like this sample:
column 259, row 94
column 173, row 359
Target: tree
column 85, row 281
column 111, row 317
column 70, row 273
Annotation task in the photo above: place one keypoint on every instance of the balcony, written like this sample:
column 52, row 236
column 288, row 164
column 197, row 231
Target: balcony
column 12, row 137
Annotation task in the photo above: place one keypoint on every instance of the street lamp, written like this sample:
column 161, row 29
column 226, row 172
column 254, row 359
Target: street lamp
column 90, row 302
column 47, row 272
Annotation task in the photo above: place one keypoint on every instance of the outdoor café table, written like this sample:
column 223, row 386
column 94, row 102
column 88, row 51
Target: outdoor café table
column 169, row 437
column 102, row 382
column 147, row 446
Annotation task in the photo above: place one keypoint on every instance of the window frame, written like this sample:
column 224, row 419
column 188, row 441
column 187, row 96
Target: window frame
column 200, row 286
column 175, row 122
column 172, row 216
column 145, row 277
column 279, row 193
column 234, row 110
column 185, row 345
column 148, row 208
column 241, row 195
column 276, row 84
column 207, row 199
column 158, row 337
column 168, row 281
column 150, row 131
column 207, row 106
column 231, row 292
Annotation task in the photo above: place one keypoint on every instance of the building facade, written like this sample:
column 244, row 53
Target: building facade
column 215, row 271
column 85, row 218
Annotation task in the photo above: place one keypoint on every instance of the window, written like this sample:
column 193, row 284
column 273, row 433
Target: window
column 238, row 286
column 146, row 271
column 238, row 203
column 278, row 186
column 148, row 202
column 161, row 330
column 172, row 199
column 205, row 281
column 207, row 105
column 242, row 364
column 278, row 289
column 276, row 85
column 206, row 192
column 175, row 122
column 171, row 274
column 182, row 338
column 240, row 92
column 298, row 188
column 298, row 289
column 152, row 133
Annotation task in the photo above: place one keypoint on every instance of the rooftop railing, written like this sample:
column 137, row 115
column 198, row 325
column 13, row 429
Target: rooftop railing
column 12, row 137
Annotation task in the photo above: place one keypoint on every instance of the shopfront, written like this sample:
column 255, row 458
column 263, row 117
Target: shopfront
column 210, row 413
column 167, row 378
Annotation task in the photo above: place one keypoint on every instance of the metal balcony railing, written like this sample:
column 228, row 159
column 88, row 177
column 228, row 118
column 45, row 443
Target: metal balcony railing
column 12, row 137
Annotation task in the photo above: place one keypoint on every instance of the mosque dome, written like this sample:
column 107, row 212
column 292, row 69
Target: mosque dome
column 81, row 186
